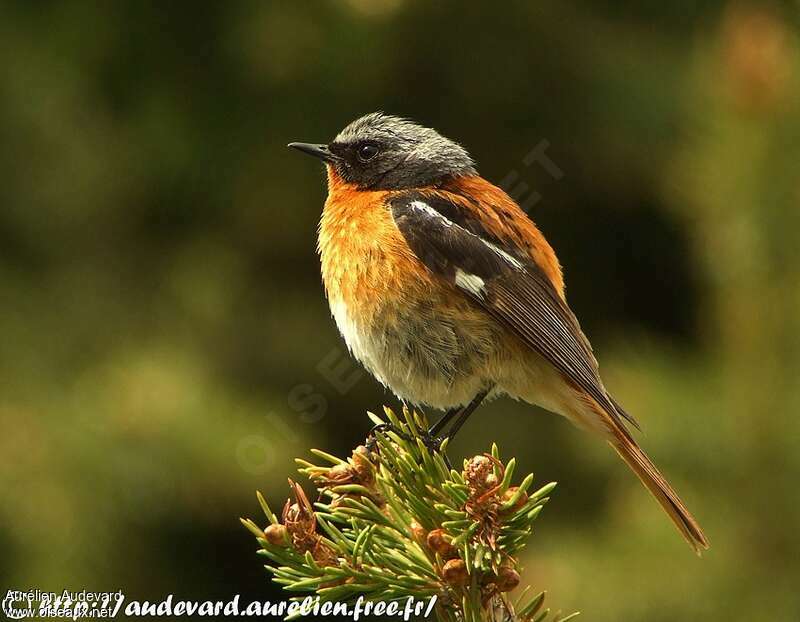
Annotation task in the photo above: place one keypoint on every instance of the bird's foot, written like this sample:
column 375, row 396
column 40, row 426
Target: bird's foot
column 433, row 442
column 372, row 441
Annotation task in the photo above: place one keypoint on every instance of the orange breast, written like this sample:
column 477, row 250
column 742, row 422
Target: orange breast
column 366, row 263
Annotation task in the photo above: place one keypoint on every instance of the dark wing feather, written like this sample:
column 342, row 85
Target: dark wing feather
column 505, row 282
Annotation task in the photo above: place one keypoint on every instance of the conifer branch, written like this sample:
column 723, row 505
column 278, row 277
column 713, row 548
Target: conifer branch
column 393, row 521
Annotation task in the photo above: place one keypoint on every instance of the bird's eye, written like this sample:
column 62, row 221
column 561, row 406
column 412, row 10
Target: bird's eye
column 367, row 152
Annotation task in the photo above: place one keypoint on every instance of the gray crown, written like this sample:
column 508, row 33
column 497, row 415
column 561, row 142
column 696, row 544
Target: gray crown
column 409, row 155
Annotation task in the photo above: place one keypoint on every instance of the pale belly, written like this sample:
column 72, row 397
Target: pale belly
column 423, row 356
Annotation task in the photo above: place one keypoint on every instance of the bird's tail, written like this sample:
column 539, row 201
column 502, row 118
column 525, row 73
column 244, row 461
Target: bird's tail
column 658, row 486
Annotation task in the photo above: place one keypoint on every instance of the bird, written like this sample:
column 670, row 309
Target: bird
column 448, row 293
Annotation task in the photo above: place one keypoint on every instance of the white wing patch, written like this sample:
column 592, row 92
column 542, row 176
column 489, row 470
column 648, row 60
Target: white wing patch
column 470, row 282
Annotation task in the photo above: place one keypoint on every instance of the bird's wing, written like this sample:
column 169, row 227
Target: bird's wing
column 502, row 280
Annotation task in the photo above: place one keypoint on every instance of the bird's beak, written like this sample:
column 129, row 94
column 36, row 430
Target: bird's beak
column 318, row 151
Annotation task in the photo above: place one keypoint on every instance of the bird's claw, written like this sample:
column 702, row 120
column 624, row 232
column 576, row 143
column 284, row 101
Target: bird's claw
column 431, row 441
column 434, row 444
column 372, row 441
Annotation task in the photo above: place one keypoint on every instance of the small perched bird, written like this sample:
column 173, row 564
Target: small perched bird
column 447, row 292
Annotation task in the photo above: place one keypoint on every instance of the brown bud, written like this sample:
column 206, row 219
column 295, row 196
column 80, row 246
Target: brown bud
column 293, row 513
column 491, row 480
column 340, row 472
column 299, row 521
column 481, row 463
column 277, row 535
column 507, row 579
column 418, row 532
column 439, row 543
column 454, row 572
column 478, row 469
column 509, row 494
column 362, row 465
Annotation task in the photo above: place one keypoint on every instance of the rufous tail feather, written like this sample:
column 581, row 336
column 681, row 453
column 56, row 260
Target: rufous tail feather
column 650, row 476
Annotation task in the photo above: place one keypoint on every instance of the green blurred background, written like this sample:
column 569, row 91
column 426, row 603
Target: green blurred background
column 165, row 347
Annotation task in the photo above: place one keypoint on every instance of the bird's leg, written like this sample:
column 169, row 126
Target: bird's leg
column 466, row 411
column 446, row 418
column 461, row 414
column 432, row 439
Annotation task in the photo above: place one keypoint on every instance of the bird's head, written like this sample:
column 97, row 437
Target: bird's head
column 383, row 152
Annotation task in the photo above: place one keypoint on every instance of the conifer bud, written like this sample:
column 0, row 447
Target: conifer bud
column 418, row 532
column 507, row 579
column 439, row 543
column 454, row 572
column 277, row 535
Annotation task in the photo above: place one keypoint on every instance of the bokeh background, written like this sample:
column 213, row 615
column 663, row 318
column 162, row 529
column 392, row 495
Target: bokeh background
column 166, row 350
